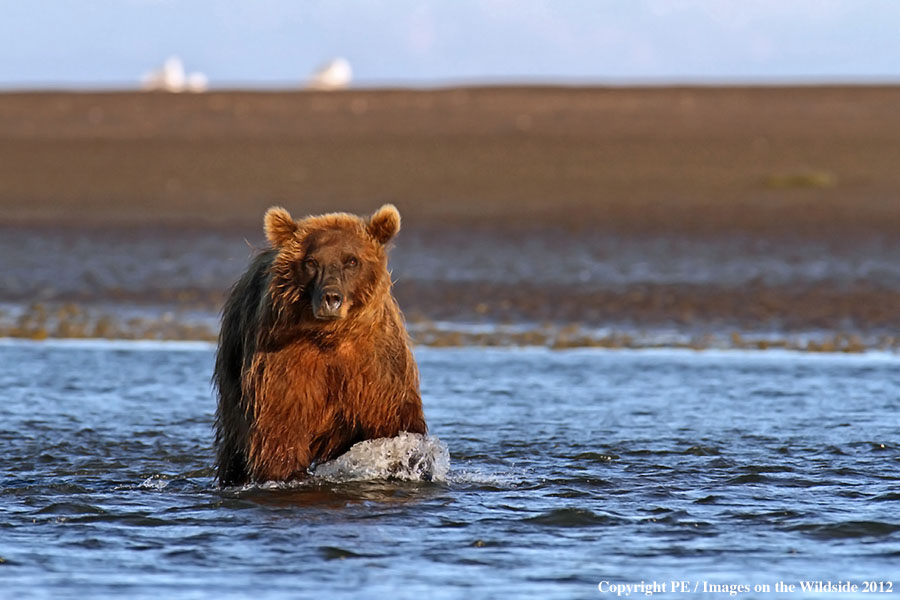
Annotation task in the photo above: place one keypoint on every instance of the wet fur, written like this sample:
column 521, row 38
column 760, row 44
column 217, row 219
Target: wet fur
column 294, row 390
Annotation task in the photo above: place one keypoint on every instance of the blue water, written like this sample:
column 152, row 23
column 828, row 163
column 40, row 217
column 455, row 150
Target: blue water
column 567, row 469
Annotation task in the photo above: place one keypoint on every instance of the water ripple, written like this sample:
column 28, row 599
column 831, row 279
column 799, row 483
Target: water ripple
column 566, row 467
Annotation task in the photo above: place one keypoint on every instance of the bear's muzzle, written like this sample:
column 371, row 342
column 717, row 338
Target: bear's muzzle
column 328, row 304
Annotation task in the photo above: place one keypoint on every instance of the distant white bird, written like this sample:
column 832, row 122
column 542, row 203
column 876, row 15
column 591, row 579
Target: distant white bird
column 172, row 78
column 333, row 75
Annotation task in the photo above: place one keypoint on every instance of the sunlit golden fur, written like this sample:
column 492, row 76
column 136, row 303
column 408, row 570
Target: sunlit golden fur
column 295, row 389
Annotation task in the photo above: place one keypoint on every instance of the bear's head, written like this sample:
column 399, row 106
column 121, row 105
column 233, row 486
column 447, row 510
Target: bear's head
column 329, row 267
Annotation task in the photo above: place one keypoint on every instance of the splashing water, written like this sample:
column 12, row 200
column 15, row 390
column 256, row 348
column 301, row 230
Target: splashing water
column 407, row 457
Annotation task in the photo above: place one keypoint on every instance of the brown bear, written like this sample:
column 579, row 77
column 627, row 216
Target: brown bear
column 313, row 353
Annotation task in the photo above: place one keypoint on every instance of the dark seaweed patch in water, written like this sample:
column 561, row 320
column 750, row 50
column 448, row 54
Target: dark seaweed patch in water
column 334, row 553
column 565, row 468
column 847, row 529
column 571, row 517
column 711, row 499
column 595, row 457
column 69, row 508
column 702, row 451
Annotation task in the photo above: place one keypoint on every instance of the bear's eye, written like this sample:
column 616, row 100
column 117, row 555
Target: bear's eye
column 310, row 264
column 352, row 261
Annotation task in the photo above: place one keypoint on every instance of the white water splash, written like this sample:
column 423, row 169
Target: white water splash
column 407, row 457
column 155, row 482
column 477, row 477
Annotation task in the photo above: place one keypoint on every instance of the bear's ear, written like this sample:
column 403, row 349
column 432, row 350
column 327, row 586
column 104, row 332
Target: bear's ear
column 279, row 226
column 384, row 223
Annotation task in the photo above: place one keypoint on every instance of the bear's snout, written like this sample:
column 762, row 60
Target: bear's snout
column 327, row 304
column 332, row 300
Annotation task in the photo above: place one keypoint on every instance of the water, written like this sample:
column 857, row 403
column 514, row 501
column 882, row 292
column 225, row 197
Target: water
column 155, row 263
column 567, row 469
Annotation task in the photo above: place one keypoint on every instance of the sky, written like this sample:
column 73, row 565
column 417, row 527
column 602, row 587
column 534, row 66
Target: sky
column 278, row 43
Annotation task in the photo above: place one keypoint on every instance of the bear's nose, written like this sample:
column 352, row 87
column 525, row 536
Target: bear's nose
column 332, row 300
column 328, row 303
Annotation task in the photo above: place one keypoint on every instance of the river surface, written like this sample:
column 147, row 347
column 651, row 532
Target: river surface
column 567, row 470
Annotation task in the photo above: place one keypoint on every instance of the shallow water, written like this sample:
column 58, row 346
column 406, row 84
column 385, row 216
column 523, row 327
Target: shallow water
column 568, row 469
column 168, row 282
column 153, row 263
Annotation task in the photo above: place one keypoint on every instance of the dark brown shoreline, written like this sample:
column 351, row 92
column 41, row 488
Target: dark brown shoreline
column 644, row 160
column 802, row 173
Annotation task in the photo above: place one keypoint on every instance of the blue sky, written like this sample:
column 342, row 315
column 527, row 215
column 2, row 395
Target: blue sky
column 277, row 43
